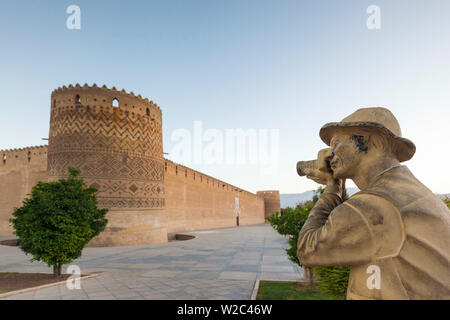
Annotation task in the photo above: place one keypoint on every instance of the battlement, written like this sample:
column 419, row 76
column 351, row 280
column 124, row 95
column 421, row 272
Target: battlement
column 275, row 194
column 103, row 97
column 182, row 172
column 32, row 148
column 271, row 201
column 115, row 139
column 11, row 159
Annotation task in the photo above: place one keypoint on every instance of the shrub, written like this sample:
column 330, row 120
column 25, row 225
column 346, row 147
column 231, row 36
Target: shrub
column 333, row 280
column 58, row 220
column 447, row 201
column 290, row 223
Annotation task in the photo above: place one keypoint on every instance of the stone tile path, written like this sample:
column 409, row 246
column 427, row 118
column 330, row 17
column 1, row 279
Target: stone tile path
column 217, row 264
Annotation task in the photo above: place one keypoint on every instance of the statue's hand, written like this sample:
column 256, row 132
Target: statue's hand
column 322, row 174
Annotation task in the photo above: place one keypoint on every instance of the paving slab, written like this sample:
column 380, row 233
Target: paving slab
column 216, row 264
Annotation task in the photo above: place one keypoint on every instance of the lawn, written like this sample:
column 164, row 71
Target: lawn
column 277, row 290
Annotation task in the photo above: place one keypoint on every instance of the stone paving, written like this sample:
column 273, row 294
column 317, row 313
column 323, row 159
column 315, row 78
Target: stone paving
column 217, row 264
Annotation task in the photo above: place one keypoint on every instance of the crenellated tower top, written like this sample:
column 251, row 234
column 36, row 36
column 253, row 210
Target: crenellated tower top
column 105, row 98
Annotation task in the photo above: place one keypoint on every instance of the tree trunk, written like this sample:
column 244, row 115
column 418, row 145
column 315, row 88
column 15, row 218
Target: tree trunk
column 311, row 277
column 308, row 275
column 57, row 270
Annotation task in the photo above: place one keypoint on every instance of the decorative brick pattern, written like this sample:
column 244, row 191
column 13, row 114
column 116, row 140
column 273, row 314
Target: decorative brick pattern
column 120, row 151
column 116, row 149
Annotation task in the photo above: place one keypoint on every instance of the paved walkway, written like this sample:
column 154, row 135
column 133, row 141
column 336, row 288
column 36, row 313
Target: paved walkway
column 217, row 264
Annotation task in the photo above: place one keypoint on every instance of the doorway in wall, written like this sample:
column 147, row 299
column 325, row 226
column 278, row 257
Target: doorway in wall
column 237, row 210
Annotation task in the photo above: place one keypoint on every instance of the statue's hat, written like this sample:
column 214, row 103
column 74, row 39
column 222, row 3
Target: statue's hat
column 379, row 120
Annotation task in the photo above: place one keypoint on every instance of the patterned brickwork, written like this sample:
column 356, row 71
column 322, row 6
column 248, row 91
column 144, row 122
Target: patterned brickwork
column 117, row 149
column 104, row 130
column 115, row 139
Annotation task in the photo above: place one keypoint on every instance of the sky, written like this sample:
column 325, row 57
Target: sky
column 287, row 67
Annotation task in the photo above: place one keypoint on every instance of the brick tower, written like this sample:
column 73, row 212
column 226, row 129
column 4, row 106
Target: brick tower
column 271, row 201
column 115, row 139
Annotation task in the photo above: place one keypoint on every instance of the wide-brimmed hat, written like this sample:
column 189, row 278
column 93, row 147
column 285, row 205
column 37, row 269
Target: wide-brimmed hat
column 379, row 120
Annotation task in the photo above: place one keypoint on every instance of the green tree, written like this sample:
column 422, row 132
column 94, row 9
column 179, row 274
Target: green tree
column 333, row 280
column 291, row 221
column 447, row 201
column 58, row 220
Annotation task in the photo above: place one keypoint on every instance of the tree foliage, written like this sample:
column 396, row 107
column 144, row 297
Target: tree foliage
column 56, row 222
column 447, row 201
column 289, row 223
column 333, row 280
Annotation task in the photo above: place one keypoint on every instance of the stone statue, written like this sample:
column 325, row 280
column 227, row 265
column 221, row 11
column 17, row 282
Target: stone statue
column 395, row 233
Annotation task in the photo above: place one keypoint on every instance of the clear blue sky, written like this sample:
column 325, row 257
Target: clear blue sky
column 288, row 65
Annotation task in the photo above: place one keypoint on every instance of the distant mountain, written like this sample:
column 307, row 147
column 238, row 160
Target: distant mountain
column 292, row 199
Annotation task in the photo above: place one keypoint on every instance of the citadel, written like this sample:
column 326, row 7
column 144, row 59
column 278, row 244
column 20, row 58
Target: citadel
column 115, row 139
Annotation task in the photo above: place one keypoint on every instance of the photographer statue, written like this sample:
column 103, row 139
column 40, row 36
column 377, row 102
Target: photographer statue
column 395, row 233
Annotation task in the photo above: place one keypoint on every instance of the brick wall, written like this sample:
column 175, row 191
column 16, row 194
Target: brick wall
column 196, row 201
column 271, row 201
column 20, row 170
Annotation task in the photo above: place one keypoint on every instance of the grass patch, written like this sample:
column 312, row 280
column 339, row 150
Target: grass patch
column 3, row 292
column 280, row 290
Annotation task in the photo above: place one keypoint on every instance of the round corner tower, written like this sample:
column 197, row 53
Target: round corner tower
column 115, row 139
column 271, row 201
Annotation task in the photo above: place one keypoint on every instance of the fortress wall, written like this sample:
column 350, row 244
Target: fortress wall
column 271, row 201
column 195, row 201
column 252, row 209
column 115, row 139
column 20, row 170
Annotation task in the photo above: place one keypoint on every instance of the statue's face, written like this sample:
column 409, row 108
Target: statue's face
column 347, row 152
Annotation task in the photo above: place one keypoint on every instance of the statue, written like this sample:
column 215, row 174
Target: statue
column 395, row 233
